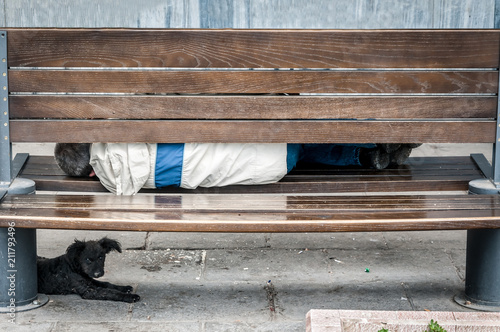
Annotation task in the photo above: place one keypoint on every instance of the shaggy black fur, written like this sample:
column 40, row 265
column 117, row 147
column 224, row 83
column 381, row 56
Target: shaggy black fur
column 73, row 158
column 74, row 272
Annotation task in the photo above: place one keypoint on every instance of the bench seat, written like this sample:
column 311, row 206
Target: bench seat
column 312, row 198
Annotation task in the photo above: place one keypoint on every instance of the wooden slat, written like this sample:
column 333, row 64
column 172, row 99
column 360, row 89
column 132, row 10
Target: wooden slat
column 253, row 48
column 250, row 107
column 65, row 184
column 371, row 177
column 238, row 131
column 420, row 174
column 254, row 203
column 274, row 81
column 458, row 183
column 252, row 213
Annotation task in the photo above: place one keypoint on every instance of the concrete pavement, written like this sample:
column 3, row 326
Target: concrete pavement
column 255, row 282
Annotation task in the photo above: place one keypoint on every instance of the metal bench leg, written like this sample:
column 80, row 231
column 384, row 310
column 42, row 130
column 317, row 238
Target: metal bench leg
column 482, row 272
column 18, row 270
column 482, row 281
column 18, row 277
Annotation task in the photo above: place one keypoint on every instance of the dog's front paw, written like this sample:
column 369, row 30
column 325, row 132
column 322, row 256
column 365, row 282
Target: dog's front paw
column 131, row 298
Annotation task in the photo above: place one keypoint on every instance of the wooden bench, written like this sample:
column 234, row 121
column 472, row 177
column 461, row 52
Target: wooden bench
column 262, row 86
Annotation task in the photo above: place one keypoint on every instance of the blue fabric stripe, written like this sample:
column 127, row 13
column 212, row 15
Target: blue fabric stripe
column 168, row 171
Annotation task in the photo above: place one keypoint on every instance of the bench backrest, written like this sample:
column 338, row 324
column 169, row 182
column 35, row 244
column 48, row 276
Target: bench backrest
column 133, row 85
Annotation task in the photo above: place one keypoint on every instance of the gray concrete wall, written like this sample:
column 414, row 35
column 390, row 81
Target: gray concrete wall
column 250, row 13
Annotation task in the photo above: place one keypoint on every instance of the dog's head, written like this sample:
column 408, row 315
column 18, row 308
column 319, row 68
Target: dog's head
column 87, row 257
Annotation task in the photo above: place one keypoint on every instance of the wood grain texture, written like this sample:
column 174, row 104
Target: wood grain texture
column 400, row 82
column 252, row 213
column 252, row 131
column 418, row 174
column 253, row 48
column 250, row 107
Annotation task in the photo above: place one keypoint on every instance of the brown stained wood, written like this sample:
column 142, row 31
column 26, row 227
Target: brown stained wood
column 410, row 223
column 250, row 107
column 275, row 81
column 299, row 187
column 252, row 213
column 401, row 171
column 374, row 177
column 420, row 174
column 242, row 131
column 253, row 48
column 255, row 203
column 309, row 187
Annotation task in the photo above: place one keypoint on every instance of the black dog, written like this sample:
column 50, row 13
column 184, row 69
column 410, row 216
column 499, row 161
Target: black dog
column 74, row 273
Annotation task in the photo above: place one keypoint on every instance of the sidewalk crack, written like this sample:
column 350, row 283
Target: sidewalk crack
column 272, row 299
column 147, row 243
column 460, row 273
column 202, row 261
column 406, row 290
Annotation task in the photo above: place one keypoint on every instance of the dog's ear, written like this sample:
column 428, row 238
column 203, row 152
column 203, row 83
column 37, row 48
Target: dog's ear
column 108, row 245
column 74, row 250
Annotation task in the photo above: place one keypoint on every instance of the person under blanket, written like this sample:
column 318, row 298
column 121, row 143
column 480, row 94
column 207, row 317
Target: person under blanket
column 126, row 168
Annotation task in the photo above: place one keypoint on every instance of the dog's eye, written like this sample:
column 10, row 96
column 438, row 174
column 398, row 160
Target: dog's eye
column 101, row 258
column 89, row 260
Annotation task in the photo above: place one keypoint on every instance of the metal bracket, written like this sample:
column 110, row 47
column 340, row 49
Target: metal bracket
column 496, row 151
column 18, row 163
column 492, row 172
column 5, row 146
column 484, row 186
column 483, row 164
column 495, row 168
